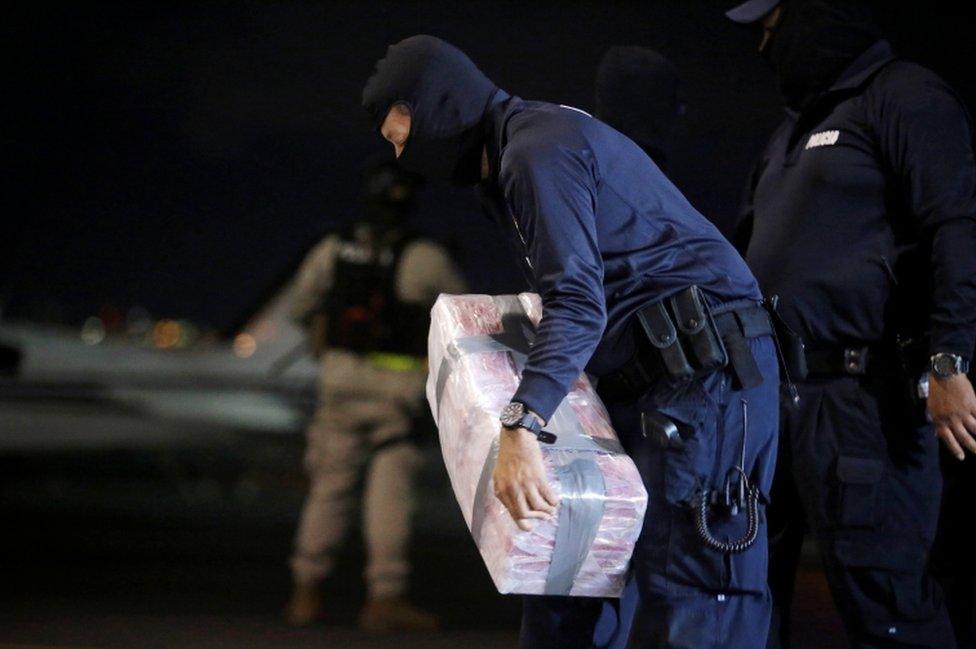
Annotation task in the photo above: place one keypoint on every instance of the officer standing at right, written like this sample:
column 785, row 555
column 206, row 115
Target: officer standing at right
column 861, row 217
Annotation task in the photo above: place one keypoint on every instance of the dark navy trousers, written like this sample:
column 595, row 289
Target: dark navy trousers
column 690, row 596
column 859, row 470
column 953, row 559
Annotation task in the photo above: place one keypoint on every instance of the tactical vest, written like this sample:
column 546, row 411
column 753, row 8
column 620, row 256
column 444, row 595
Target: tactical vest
column 363, row 312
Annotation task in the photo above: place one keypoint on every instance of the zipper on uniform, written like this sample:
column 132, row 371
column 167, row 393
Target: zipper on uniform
column 525, row 246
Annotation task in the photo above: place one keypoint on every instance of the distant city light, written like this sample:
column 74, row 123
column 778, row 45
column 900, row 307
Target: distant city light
column 92, row 331
column 166, row 334
column 111, row 317
column 245, row 345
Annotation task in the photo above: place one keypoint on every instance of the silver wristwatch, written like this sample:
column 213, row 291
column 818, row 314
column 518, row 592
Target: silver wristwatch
column 945, row 365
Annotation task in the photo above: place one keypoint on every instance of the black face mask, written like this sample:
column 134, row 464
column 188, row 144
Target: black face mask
column 456, row 158
column 637, row 94
column 814, row 42
column 447, row 96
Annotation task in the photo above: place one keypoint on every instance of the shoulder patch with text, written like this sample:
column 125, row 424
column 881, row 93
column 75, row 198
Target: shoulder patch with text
column 823, row 138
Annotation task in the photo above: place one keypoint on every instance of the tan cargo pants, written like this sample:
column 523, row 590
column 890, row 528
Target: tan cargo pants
column 359, row 437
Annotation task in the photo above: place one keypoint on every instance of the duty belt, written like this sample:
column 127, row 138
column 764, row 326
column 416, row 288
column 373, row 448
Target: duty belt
column 733, row 325
column 868, row 360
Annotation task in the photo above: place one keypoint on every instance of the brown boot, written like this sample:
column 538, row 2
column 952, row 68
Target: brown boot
column 307, row 606
column 394, row 614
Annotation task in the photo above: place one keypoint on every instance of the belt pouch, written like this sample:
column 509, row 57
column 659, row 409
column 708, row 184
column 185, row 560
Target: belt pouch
column 791, row 348
column 665, row 350
column 698, row 331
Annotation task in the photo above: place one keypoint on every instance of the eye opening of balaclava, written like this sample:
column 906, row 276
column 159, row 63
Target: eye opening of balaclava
column 399, row 104
column 814, row 41
column 447, row 96
column 637, row 94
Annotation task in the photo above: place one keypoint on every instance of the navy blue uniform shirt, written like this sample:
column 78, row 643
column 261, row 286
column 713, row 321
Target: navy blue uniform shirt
column 862, row 211
column 604, row 232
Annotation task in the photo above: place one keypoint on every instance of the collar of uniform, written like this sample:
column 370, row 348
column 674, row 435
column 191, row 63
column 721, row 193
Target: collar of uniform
column 869, row 62
column 503, row 107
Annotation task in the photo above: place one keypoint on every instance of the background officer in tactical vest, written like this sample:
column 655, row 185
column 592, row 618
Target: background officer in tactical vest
column 365, row 296
column 861, row 216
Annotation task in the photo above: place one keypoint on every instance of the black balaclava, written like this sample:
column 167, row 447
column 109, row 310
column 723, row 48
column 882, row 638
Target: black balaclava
column 814, row 42
column 637, row 94
column 447, row 96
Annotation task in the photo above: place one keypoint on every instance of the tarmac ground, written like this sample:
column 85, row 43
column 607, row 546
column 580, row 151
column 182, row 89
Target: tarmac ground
column 146, row 549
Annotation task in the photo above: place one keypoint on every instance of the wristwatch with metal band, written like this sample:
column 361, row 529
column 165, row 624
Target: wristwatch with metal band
column 516, row 415
column 945, row 365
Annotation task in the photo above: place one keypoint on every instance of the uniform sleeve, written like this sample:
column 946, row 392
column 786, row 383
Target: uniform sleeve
column 551, row 195
column 314, row 280
column 926, row 138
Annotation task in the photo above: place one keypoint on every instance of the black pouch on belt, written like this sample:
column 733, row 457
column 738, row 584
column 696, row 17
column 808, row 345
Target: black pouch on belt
column 683, row 339
column 791, row 350
column 664, row 351
column 698, row 331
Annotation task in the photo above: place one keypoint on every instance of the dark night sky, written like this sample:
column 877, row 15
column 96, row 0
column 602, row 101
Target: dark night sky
column 185, row 157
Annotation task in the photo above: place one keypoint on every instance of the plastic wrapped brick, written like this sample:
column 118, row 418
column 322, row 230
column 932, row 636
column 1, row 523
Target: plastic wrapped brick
column 477, row 347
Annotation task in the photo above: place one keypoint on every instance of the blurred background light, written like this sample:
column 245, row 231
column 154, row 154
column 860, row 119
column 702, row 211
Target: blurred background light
column 93, row 331
column 245, row 345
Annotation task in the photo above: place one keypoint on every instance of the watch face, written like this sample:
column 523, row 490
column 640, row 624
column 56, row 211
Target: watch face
column 945, row 365
column 941, row 365
column 512, row 414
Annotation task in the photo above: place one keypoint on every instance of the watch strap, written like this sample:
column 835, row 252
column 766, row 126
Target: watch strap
column 528, row 421
column 531, row 423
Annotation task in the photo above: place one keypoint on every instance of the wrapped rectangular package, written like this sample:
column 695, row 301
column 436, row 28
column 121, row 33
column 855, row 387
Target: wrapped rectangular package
column 477, row 347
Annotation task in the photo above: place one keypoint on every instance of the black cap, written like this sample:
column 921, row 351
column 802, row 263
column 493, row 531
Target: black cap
column 751, row 11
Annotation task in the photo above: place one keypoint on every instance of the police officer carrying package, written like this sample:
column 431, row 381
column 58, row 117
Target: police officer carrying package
column 642, row 292
column 861, row 217
column 365, row 296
